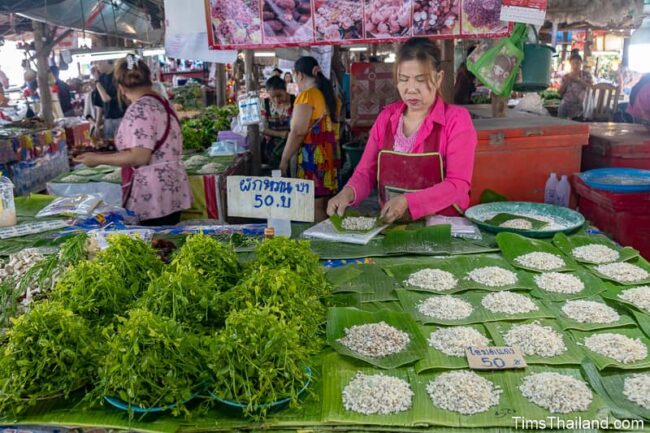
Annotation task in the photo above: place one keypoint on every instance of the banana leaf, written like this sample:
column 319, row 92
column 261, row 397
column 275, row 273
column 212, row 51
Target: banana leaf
column 603, row 362
column 643, row 320
column 435, row 359
column 567, row 323
column 337, row 222
column 410, row 301
column 375, row 306
column 597, row 410
column 513, row 246
column 428, row 239
column 566, row 244
column 338, row 372
column 593, row 287
column 612, row 293
column 343, row 279
column 375, row 248
column 612, row 383
column 501, row 218
column 496, row 416
column 373, row 285
column 572, row 356
column 29, row 205
column 594, row 377
column 339, row 319
column 460, row 267
column 639, row 261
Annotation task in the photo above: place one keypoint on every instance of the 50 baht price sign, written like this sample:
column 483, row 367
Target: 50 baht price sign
column 271, row 197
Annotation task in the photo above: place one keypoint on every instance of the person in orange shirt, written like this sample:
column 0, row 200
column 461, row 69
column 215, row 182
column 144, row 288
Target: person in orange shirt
column 313, row 133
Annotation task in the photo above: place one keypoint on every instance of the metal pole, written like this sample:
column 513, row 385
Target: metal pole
column 253, row 130
column 220, row 85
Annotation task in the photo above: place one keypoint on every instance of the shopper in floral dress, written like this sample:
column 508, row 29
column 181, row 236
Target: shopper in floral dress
column 154, row 183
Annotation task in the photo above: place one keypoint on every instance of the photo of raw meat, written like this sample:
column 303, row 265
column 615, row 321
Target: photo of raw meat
column 388, row 19
column 436, row 17
column 338, row 20
column 236, row 22
column 287, row 21
column 482, row 17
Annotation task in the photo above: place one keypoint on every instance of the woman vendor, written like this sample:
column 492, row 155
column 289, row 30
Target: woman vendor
column 276, row 113
column 420, row 153
column 313, row 133
column 154, row 183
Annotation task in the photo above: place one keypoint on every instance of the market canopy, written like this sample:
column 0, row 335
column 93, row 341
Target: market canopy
column 134, row 19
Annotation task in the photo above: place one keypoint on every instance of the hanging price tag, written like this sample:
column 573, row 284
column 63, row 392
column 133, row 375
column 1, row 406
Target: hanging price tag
column 271, row 197
column 524, row 11
column 494, row 358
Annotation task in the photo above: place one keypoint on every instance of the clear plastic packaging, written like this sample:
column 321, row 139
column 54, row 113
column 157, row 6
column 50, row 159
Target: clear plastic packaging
column 80, row 205
column 280, row 226
column 7, row 204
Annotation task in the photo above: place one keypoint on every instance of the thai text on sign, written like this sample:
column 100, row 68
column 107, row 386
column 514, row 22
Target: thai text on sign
column 271, row 197
column 494, row 358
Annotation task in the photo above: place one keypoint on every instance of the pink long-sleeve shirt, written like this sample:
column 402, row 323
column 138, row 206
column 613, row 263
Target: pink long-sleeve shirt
column 457, row 147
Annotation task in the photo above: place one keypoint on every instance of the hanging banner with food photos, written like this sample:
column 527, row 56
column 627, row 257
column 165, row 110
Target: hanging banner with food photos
column 250, row 24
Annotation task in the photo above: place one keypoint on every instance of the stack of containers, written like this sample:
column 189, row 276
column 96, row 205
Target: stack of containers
column 626, row 216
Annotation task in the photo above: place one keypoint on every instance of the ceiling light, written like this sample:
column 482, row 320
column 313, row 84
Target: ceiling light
column 264, row 54
column 153, row 52
column 358, row 48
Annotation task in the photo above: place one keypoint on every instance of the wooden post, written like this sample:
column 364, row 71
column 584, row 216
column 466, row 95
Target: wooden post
column 589, row 42
column 499, row 104
column 220, row 85
column 447, row 88
column 253, row 130
column 43, row 70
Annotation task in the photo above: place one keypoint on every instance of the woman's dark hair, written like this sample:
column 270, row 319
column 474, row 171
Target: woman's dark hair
column 424, row 51
column 575, row 56
column 277, row 71
column 131, row 72
column 275, row 83
column 309, row 67
column 645, row 80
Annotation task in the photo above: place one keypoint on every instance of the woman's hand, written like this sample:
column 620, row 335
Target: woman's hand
column 395, row 209
column 89, row 159
column 340, row 202
column 284, row 167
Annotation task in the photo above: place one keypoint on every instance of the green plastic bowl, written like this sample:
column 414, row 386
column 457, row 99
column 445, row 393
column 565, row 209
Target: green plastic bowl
column 564, row 220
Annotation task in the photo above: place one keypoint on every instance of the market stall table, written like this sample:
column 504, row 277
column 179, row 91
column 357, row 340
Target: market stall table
column 208, row 189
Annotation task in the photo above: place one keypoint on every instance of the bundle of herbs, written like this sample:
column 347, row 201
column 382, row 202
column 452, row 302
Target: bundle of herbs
column 186, row 296
column 296, row 255
column 213, row 261
column 151, row 361
column 284, row 289
column 95, row 291
column 258, row 359
column 135, row 260
column 18, row 293
column 49, row 352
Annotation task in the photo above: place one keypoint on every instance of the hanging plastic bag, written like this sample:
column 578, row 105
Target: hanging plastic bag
column 498, row 66
column 79, row 205
column 250, row 112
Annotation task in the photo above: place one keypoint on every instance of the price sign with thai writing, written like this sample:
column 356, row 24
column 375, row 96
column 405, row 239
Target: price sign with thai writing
column 271, row 197
column 494, row 358
column 524, row 11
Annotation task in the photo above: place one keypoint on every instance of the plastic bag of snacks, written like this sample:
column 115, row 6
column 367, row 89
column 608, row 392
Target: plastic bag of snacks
column 497, row 66
column 79, row 205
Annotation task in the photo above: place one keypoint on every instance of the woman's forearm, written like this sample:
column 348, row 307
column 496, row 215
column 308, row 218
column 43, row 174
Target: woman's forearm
column 278, row 134
column 293, row 145
column 122, row 159
column 103, row 94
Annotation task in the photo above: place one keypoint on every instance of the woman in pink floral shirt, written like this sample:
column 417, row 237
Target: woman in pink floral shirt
column 154, row 183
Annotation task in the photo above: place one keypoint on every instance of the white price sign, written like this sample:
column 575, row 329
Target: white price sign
column 494, row 358
column 271, row 197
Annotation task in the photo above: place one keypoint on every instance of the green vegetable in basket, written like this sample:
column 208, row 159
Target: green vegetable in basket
column 286, row 290
column 259, row 358
column 212, row 260
column 296, row 255
column 135, row 260
column 48, row 352
column 186, row 296
column 95, row 291
column 151, row 362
